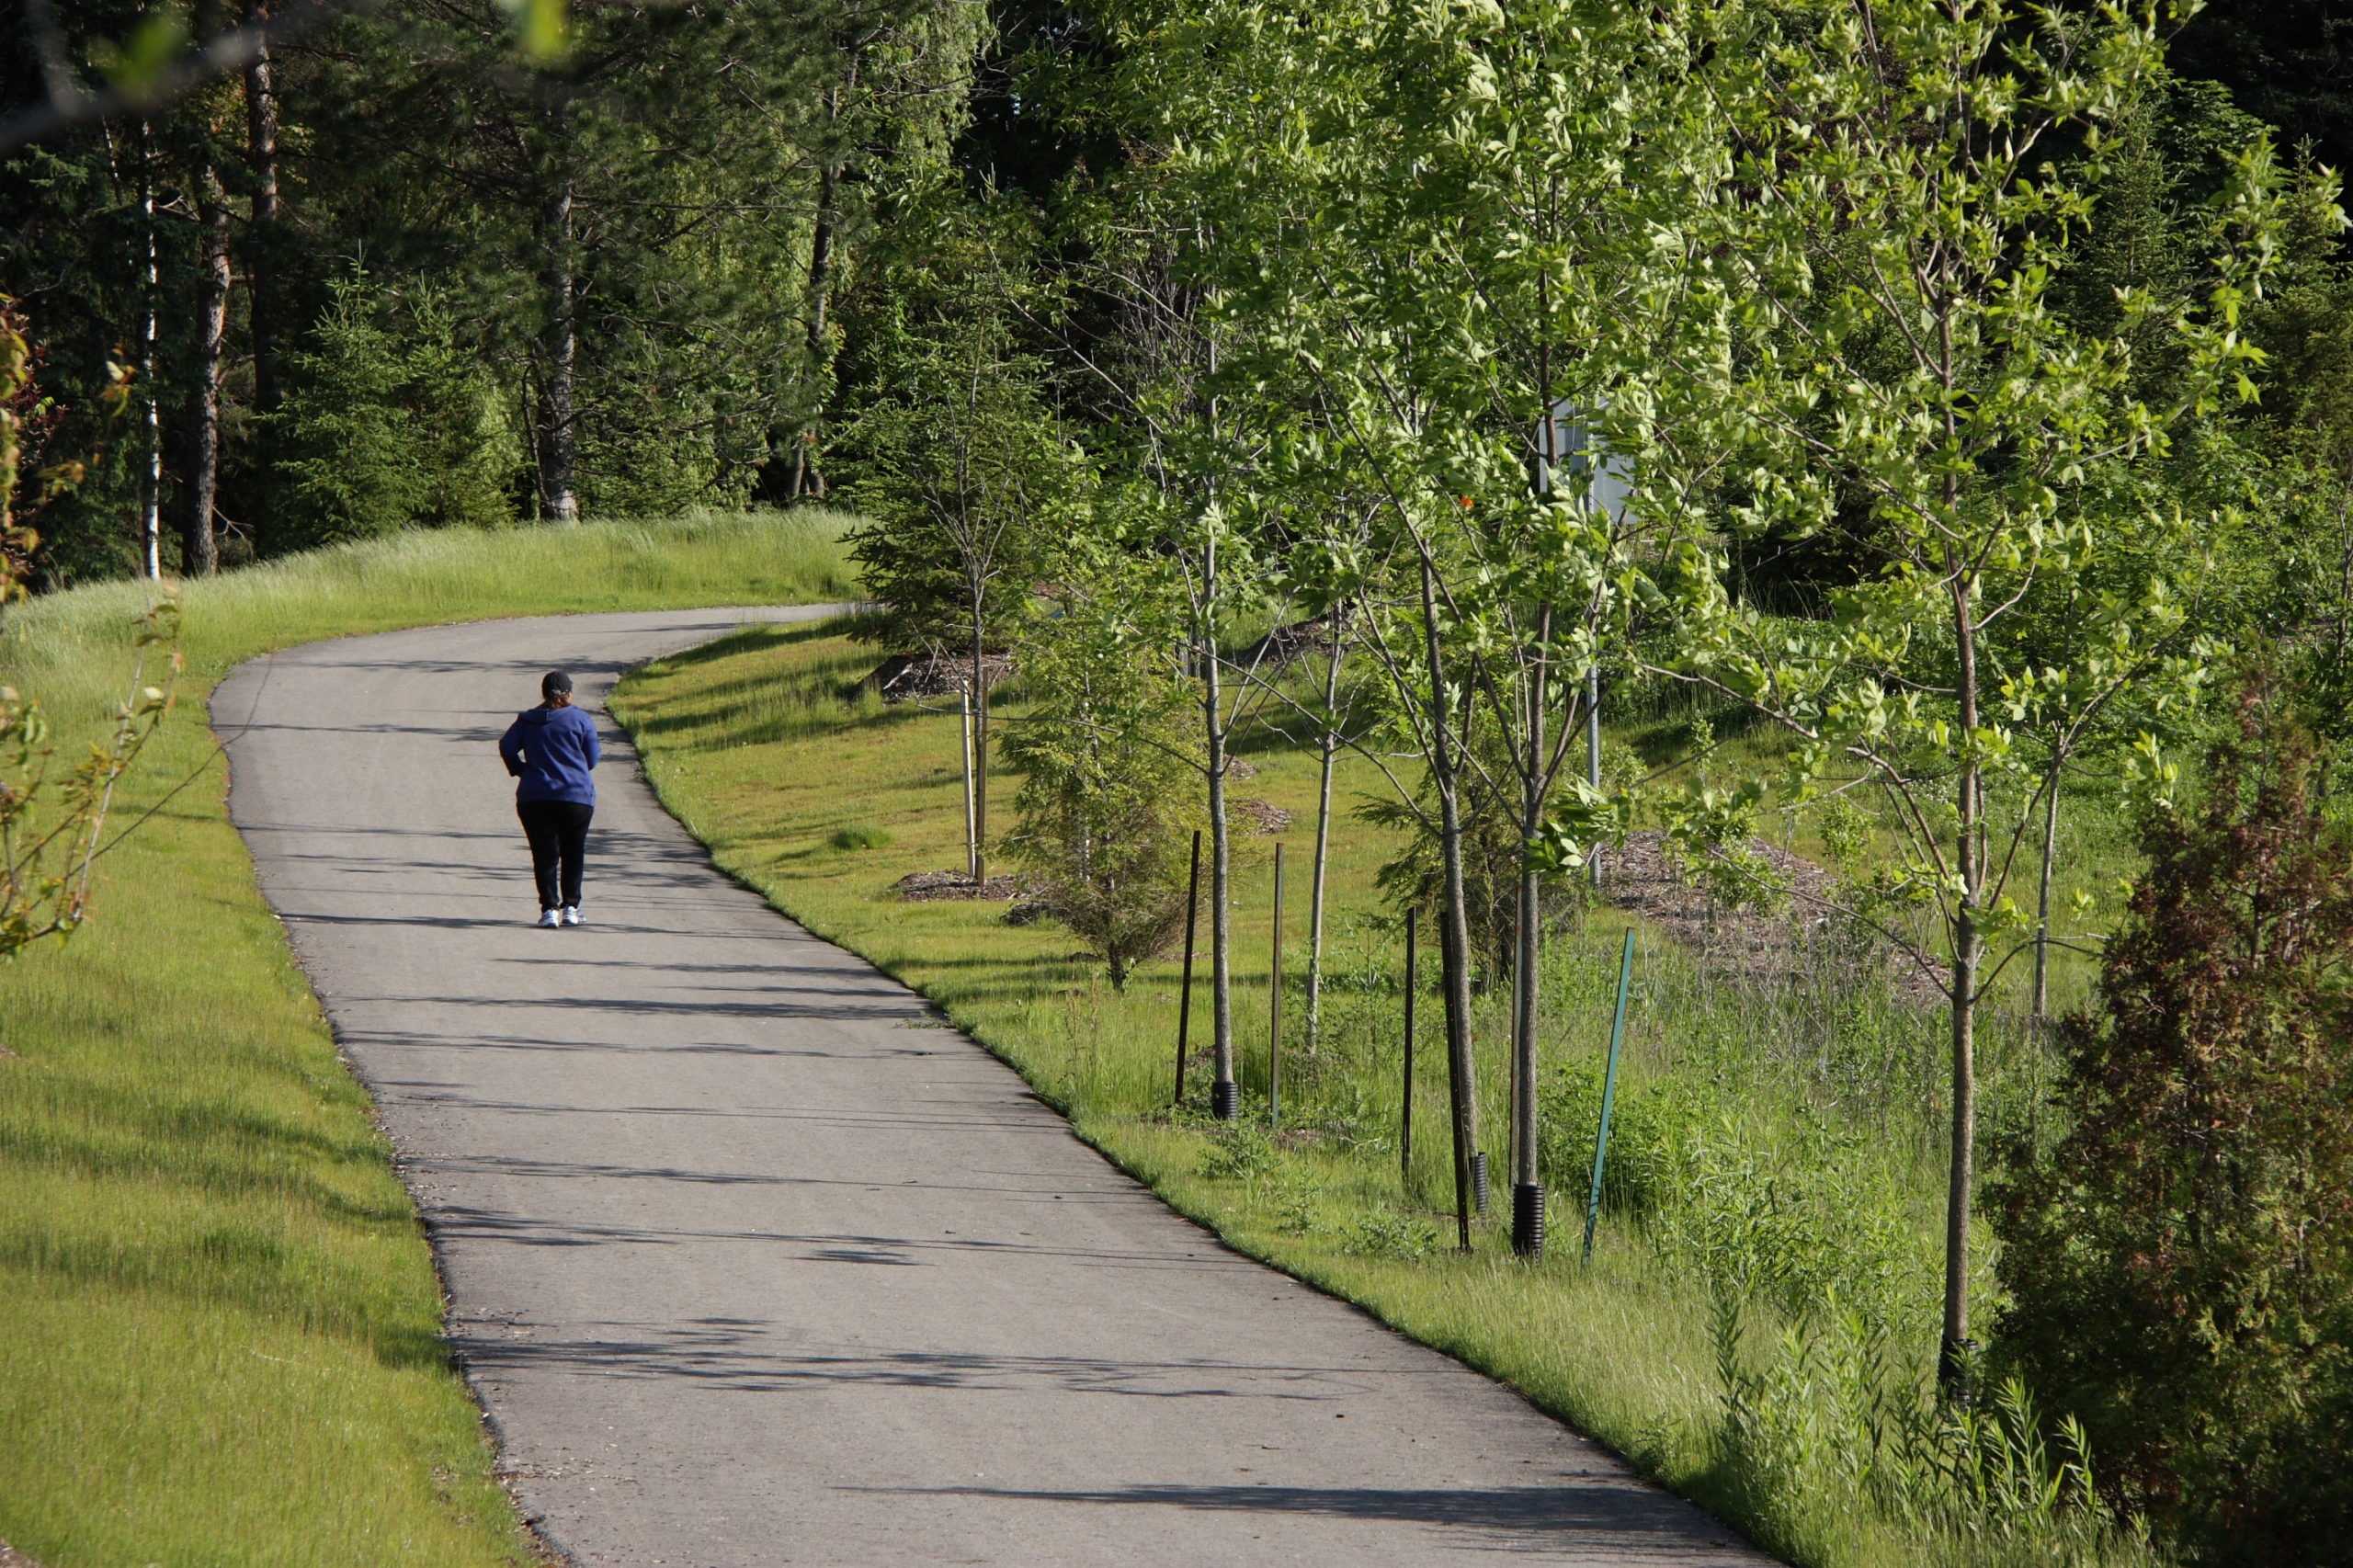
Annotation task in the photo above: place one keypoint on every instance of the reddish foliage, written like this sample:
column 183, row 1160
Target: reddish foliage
column 2181, row 1262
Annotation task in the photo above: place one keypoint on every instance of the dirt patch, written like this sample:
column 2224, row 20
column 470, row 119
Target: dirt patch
column 909, row 678
column 11, row 1557
column 923, row 887
column 1269, row 817
column 1787, row 944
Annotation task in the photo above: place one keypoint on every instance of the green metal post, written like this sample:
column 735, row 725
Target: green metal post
column 1609, row 1095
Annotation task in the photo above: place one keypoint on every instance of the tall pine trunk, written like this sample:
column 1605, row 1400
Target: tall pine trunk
column 559, row 343
column 808, row 478
column 200, row 542
column 261, row 233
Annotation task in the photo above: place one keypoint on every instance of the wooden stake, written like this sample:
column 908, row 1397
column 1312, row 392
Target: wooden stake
column 1275, row 1007
column 1608, row 1093
column 1405, row 1119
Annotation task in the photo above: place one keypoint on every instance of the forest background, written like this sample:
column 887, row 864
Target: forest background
column 1160, row 323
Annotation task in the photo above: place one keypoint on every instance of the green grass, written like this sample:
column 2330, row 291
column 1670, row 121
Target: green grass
column 219, row 1321
column 1772, row 1227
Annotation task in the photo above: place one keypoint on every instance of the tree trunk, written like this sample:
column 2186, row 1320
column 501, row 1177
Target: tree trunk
column 1528, row 1192
column 200, row 543
column 1454, row 925
column 971, row 824
column 980, row 761
column 559, row 501
column 2042, row 899
column 151, row 499
column 1223, row 1094
column 261, row 234
column 1953, row 1356
column 1330, row 745
column 808, row 479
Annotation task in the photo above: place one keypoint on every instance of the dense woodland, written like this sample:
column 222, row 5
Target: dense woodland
column 1948, row 406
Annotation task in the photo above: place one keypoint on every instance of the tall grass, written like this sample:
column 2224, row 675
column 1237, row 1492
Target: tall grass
column 220, row 1326
column 1756, row 1326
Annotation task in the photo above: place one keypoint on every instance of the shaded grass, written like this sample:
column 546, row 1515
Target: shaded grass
column 1799, row 1129
column 220, row 1325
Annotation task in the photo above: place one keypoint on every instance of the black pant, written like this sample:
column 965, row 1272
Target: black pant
column 558, row 833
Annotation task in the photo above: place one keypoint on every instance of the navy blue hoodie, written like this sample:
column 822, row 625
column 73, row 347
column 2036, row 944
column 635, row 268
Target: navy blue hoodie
column 552, row 750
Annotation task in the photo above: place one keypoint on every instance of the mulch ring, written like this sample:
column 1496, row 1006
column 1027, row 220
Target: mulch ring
column 923, row 887
column 11, row 1557
column 1788, row 944
column 909, row 678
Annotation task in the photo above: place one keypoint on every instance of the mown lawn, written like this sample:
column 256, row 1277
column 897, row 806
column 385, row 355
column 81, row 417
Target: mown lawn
column 219, row 1319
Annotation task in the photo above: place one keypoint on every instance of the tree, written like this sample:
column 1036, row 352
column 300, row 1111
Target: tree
column 1107, row 809
column 1902, row 209
column 961, row 463
column 389, row 423
column 1434, row 229
column 2180, row 1262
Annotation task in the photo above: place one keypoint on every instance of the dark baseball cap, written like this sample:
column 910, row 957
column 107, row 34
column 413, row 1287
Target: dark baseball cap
column 554, row 683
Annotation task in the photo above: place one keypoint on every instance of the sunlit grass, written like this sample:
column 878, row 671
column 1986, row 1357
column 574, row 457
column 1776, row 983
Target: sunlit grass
column 219, row 1320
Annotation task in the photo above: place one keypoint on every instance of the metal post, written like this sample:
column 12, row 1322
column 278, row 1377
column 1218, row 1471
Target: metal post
column 1405, row 1122
column 1609, row 1095
column 1275, row 1007
column 1185, row 999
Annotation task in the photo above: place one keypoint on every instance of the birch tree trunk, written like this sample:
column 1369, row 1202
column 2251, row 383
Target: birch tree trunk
column 151, row 497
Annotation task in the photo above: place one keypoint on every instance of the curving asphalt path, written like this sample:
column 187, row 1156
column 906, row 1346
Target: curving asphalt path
column 752, row 1264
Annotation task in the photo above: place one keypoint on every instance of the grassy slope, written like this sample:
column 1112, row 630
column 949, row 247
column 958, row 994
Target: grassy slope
column 219, row 1321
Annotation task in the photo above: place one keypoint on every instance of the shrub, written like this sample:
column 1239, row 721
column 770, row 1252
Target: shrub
column 2181, row 1262
column 390, row 424
column 1107, row 807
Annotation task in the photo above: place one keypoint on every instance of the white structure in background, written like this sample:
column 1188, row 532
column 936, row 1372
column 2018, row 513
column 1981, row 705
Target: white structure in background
column 1567, row 444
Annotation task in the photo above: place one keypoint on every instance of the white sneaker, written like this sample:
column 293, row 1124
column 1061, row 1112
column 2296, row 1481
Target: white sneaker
column 572, row 914
column 548, row 920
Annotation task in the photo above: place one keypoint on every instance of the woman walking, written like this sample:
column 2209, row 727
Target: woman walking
column 552, row 749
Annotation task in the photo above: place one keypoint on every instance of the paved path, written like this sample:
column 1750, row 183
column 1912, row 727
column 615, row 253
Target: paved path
column 751, row 1265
